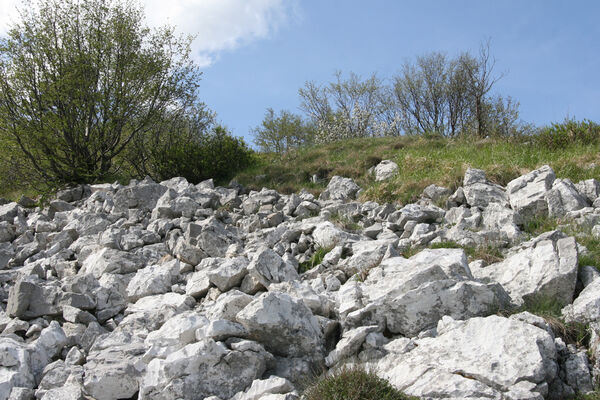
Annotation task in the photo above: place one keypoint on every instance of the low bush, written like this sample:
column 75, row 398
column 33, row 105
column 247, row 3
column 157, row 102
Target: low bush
column 194, row 149
column 353, row 384
column 568, row 132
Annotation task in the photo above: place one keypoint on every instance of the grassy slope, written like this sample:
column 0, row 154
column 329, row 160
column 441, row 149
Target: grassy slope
column 422, row 162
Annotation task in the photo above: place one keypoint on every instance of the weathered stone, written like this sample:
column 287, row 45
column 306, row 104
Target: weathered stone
column 284, row 325
column 229, row 273
column 384, row 170
column 202, row 369
column 340, row 188
column 111, row 261
column 546, row 266
column 477, row 358
column 479, row 192
column 563, row 198
column 413, row 295
column 268, row 267
column 526, row 193
column 30, row 298
column 154, row 279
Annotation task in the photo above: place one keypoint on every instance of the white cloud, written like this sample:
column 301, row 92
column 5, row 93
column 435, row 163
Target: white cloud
column 218, row 25
column 221, row 25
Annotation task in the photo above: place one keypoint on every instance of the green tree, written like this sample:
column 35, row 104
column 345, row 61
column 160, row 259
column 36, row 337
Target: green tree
column 188, row 143
column 80, row 79
column 282, row 132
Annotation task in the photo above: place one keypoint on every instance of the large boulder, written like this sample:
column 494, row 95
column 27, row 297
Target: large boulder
column 384, row 170
column 340, row 188
column 268, row 267
column 526, row 193
column 490, row 357
column 284, row 325
column 545, row 266
column 479, row 192
column 202, row 369
column 412, row 295
column 563, row 198
column 32, row 297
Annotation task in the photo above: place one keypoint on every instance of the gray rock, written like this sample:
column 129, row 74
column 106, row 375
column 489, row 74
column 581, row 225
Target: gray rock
column 111, row 261
column 589, row 188
column 563, row 198
column 30, row 298
column 340, row 188
column 268, row 267
column 436, row 193
column 527, row 193
column 479, row 192
column 413, row 295
column 349, row 344
column 229, row 273
column 284, row 325
column 261, row 389
column 202, row 369
column 153, row 279
column 545, row 266
column 384, row 170
column 477, row 358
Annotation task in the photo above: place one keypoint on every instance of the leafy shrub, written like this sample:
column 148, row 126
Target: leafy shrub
column 81, row 78
column 568, row 132
column 192, row 146
column 353, row 384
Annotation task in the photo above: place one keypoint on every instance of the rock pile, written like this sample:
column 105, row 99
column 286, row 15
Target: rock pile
column 178, row 291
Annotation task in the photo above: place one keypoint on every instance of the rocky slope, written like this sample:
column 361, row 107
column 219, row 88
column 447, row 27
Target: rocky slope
column 174, row 290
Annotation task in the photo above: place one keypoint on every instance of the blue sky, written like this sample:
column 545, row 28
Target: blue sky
column 548, row 50
column 256, row 54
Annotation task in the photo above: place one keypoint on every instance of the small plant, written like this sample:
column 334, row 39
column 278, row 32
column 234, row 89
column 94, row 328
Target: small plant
column 315, row 260
column 344, row 222
column 549, row 308
column 540, row 224
column 354, row 383
column 490, row 254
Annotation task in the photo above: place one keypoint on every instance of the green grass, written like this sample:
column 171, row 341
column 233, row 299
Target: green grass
column 344, row 223
column 550, row 308
column 422, row 161
column 316, row 259
column 353, row 384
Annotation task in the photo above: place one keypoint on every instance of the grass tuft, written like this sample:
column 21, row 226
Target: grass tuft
column 354, row 383
column 316, row 259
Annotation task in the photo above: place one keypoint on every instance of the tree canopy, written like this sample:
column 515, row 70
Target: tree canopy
column 80, row 79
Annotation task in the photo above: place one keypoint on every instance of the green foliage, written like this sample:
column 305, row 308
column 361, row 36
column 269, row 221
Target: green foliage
column 549, row 308
column 353, row 384
column 569, row 132
column 344, row 222
column 283, row 132
column 316, row 259
column 80, row 78
column 191, row 145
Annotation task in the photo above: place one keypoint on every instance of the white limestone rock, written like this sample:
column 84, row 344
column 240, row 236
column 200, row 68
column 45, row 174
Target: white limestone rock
column 545, row 266
column 564, row 198
column 202, row 369
column 526, row 193
column 284, row 325
column 477, row 358
column 384, row 170
column 340, row 188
